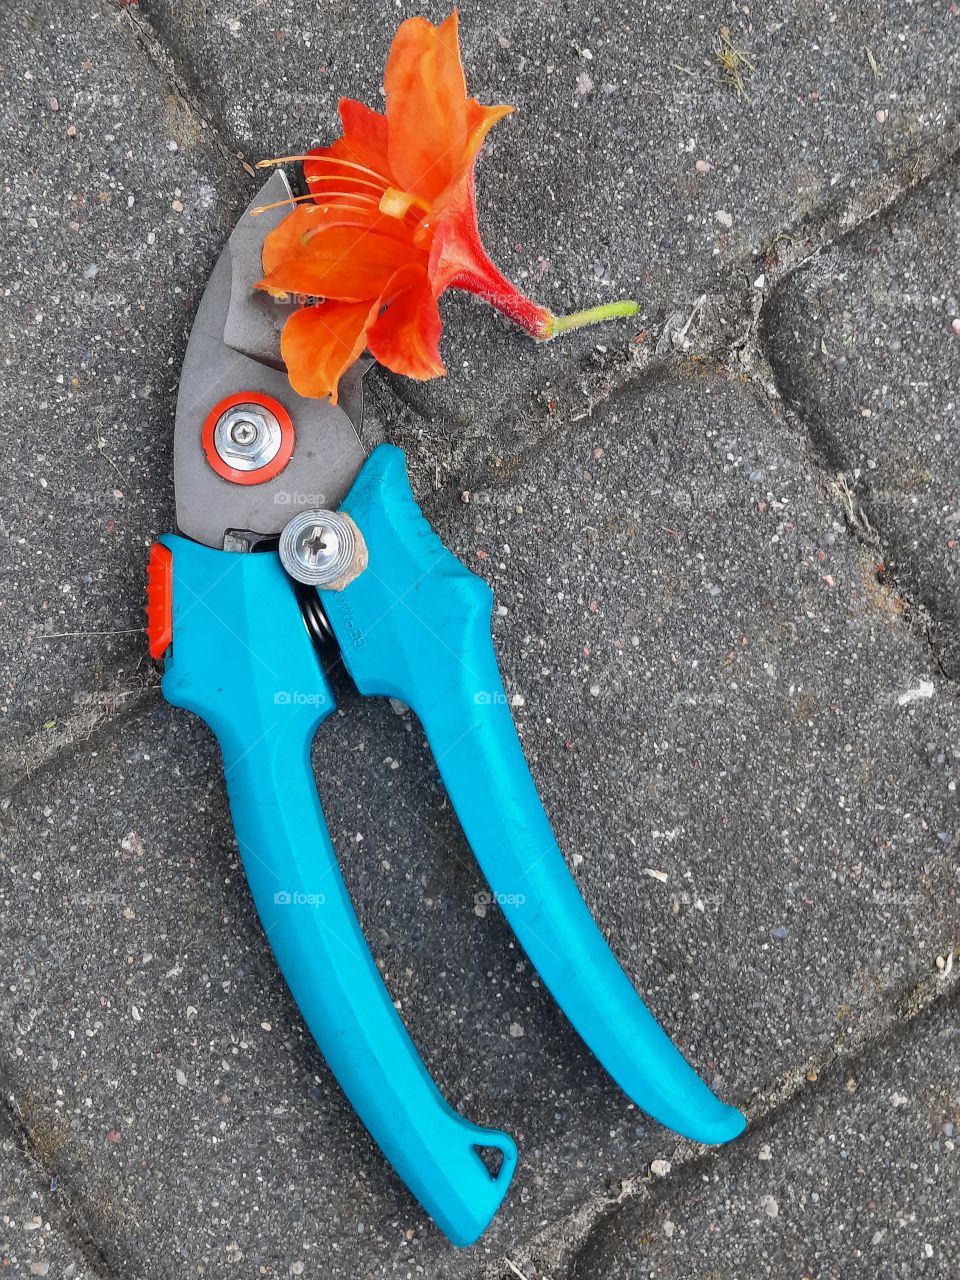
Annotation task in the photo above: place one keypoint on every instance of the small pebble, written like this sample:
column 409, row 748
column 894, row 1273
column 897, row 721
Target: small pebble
column 660, row 1168
column 724, row 218
column 769, row 1206
column 516, row 1030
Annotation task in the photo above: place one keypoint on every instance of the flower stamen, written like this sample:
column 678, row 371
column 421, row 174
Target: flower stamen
column 349, row 164
column 331, row 219
column 278, row 204
column 345, row 177
column 397, row 204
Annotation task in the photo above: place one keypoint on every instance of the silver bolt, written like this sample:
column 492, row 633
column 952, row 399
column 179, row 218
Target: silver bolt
column 318, row 547
column 243, row 432
column 247, row 437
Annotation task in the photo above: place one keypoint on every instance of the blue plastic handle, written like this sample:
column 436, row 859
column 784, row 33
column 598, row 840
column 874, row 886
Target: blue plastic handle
column 242, row 660
column 415, row 625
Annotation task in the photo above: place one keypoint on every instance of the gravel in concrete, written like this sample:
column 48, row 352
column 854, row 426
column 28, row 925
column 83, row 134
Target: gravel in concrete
column 859, row 1176
column 865, row 341
column 710, row 684
column 33, row 1241
column 114, row 200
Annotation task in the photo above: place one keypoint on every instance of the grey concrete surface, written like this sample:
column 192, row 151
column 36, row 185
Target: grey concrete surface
column 743, row 727
column 865, row 341
column 750, row 746
column 859, row 1177
column 114, row 203
column 33, row 1241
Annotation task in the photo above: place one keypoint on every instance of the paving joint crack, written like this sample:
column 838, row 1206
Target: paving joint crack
column 725, row 324
column 554, row 1254
column 65, row 1213
column 158, row 52
column 859, row 521
column 29, row 758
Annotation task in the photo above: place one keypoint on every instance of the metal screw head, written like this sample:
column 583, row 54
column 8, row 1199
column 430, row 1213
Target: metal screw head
column 317, row 547
column 243, row 432
column 247, row 437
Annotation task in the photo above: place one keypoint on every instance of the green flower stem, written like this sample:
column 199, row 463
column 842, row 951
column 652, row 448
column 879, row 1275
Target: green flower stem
column 593, row 315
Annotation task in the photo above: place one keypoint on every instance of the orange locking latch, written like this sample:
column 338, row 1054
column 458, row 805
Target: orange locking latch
column 159, row 599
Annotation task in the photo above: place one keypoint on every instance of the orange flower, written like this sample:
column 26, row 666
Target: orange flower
column 391, row 222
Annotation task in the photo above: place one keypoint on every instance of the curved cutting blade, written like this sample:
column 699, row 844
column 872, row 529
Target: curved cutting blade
column 234, row 347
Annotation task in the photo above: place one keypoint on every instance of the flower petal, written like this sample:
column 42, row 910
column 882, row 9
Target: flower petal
column 426, row 106
column 283, row 241
column 350, row 264
column 343, row 164
column 294, row 236
column 405, row 337
column 318, row 345
column 459, row 260
column 480, row 120
column 365, row 133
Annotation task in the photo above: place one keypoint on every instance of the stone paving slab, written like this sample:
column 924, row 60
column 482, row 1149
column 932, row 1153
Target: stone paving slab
column 711, row 686
column 865, row 342
column 744, row 738
column 114, row 203
column 597, row 188
column 717, row 688
column 31, row 1241
column 859, row 1177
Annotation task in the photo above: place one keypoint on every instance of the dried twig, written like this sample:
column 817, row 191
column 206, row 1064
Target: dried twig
column 734, row 64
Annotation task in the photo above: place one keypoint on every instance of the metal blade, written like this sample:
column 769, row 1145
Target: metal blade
column 327, row 454
column 254, row 319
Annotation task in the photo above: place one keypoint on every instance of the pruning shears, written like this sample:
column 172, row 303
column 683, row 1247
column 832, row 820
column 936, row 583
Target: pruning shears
column 243, row 604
